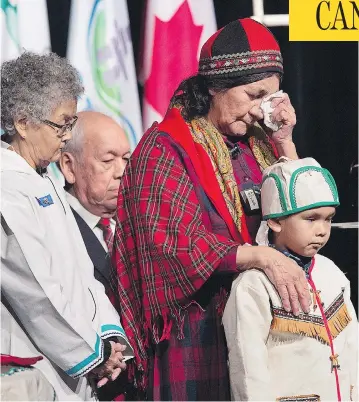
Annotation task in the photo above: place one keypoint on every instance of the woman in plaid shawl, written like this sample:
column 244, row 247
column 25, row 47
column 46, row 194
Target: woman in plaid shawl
column 187, row 206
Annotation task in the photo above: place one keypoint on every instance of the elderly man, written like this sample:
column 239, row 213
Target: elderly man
column 92, row 164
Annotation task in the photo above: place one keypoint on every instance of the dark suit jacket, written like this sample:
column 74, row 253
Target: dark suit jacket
column 100, row 259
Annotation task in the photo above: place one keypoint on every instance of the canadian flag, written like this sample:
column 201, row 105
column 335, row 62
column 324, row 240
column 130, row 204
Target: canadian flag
column 175, row 31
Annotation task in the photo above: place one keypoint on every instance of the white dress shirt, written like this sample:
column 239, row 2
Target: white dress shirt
column 91, row 219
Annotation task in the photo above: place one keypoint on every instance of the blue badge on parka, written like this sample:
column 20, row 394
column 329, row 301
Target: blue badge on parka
column 45, row 201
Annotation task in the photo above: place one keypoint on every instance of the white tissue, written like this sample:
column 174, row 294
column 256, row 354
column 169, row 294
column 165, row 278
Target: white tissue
column 267, row 111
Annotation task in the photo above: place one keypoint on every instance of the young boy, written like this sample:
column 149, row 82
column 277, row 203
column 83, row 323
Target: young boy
column 274, row 355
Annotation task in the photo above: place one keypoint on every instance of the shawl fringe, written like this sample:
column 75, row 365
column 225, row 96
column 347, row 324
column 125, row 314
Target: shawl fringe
column 160, row 331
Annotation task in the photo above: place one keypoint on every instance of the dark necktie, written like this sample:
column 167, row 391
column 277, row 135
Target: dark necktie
column 104, row 225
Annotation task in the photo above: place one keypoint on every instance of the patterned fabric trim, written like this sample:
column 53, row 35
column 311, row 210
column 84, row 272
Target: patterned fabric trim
column 311, row 325
column 109, row 330
column 14, row 370
column 241, row 61
column 89, row 363
column 301, row 398
column 296, row 210
column 212, row 141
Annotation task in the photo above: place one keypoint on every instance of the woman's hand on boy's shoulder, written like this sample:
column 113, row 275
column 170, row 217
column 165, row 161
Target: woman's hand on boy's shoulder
column 286, row 275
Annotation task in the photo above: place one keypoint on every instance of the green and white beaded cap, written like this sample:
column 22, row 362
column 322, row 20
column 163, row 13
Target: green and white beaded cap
column 292, row 186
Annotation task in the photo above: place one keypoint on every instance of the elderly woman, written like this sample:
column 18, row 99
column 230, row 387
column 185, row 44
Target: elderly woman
column 187, row 207
column 51, row 302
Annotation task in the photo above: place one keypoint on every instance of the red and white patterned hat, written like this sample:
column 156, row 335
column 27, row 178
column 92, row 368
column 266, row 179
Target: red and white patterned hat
column 242, row 47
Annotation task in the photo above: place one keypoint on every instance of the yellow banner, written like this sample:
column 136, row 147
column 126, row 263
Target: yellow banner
column 330, row 20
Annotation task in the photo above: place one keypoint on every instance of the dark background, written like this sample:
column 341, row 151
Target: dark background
column 321, row 79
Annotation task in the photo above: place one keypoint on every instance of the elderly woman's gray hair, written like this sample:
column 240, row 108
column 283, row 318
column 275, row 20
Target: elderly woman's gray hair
column 33, row 85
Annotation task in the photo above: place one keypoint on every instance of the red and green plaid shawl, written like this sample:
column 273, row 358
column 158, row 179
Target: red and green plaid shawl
column 163, row 252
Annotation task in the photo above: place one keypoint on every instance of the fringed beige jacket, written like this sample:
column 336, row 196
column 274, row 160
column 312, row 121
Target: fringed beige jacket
column 274, row 355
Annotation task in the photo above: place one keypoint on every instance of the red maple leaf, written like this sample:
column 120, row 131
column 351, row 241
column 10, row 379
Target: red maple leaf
column 174, row 56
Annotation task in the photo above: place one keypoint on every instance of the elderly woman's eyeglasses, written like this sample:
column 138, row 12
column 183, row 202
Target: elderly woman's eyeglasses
column 61, row 129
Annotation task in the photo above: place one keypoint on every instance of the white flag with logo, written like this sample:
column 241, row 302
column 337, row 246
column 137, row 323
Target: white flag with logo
column 24, row 26
column 100, row 47
column 174, row 34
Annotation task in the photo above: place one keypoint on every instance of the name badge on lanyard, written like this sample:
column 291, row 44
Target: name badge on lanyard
column 251, row 200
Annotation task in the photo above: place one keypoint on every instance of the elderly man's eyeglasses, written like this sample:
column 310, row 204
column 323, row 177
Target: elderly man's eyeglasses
column 61, row 129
